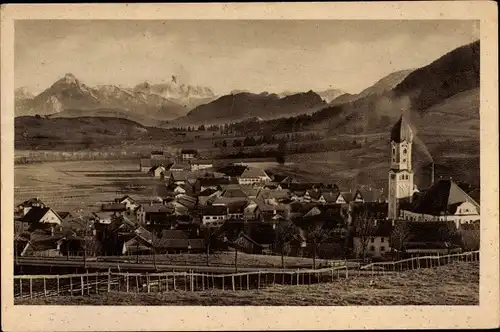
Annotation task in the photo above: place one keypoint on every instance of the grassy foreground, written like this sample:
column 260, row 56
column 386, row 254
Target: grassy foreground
column 454, row 284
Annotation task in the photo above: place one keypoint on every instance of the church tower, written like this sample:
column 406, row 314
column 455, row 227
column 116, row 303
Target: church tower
column 400, row 173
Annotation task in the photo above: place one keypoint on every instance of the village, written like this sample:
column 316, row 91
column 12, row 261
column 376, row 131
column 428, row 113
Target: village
column 199, row 208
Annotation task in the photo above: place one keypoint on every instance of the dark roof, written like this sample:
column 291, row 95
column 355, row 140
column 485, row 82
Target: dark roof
column 189, row 151
column 113, row 207
column 314, row 194
column 215, row 210
column 35, row 214
column 158, row 208
column 209, row 182
column 64, row 214
column 443, row 197
column 237, row 207
column 173, row 234
column 157, row 153
column 32, row 202
column 207, row 192
column 232, row 170
column 234, row 192
column 401, row 131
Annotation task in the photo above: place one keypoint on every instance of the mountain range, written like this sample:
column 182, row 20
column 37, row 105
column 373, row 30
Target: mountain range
column 69, row 97
column 245, row 105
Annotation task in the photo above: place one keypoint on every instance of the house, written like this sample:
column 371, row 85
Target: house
column 216, row 183
column 235, row 209
column 186, row 200
column 188, row 154
column 214, row 215
column 145, row 165
column 65, row 216
column 158, row 172
column 253, row 175
column 233, row 191
column 153, row 213
column 374, row 245
column 42, row 218
column 23, row 208
column 118, row 208
column 180, row 177
column 206, row 195
column 130, row 204
column 103, row 217
column 273, row 197
column 180, row 166
column 199, row 164
column 50, row 244
column 247, row 245
column 368, row 196
column 157, row 155
column 444, row 201
column 251, row 211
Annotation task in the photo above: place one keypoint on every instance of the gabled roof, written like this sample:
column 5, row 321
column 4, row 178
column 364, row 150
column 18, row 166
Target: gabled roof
column 158, row 208
column 201, row 162
column 442, row 198
column 35, row 214
column 64, row 214
column 32, row 202
column 173, row 234
column 250, row 191
column 253, row 172
column 123, row 198
column 181, row 165
column 182, row 176
column 274, row 194
column 314, row 194
column 207, row 192
column 113, row 207
column 228, row 200
column 215, row 210
column 348, row 196
column 233, row 192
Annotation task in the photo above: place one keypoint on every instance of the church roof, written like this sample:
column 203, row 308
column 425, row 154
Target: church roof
column 401, row 131
column 443, row 197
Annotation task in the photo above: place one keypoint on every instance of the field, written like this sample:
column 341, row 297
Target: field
column 73, row 185
column 454, row 284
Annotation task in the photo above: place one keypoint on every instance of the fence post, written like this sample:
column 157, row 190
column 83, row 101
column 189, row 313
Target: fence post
column 232, row 282
column 332, row 274
column 346, row 271
column 192, row 281
column 147, row 282
column 258, row 281
column 21, row 288
column 203, row 282
column 109, row 280
column 248, row 281
column 185, row 282
column 81, row 281
column 137, row 283
column 88, row 283
column 175, row 288
column 213, row 281
column 31, row 288
column 222, row 283
column 372, row 270
column 71, row 285
column 97, row 283
column 127, row 281
column 166, row 283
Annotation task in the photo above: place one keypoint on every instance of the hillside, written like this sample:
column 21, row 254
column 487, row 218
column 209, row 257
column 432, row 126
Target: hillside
column 142, row 103
column 79, row 133
column 241, row 106
column 454, row 72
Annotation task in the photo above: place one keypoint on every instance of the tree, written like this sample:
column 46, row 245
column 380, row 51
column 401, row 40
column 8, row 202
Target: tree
column 236, row 143
column 284, row 233
column 280, row 158
column 317, row 234
column 209, row 234
column 364, row 228
column 399, row 236
column 471, row 238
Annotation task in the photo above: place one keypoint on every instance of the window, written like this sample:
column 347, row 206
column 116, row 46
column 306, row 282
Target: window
column 404, row 160
column 393, row 176
column 372, row 240
column 393, row 151
column 372, row 248
column 404, row 151
column 393, row 160
column 382, row 239
column 382, row 248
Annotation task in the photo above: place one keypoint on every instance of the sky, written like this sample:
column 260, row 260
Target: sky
column 225, row 55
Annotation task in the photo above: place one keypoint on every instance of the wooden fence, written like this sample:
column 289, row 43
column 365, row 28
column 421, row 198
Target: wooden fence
column 420, row 262
column 30, row 286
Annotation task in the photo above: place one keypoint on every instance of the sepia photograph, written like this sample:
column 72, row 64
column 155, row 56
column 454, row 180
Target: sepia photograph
column 247, row 162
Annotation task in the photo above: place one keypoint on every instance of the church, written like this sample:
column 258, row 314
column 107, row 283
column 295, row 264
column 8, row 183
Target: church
column 443, row 201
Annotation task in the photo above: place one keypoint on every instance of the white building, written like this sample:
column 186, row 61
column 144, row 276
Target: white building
column 444, row 201
column 253, row 175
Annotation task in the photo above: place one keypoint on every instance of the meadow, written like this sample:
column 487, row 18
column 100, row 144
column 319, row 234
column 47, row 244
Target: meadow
column 453, row 284
column 86, row 184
